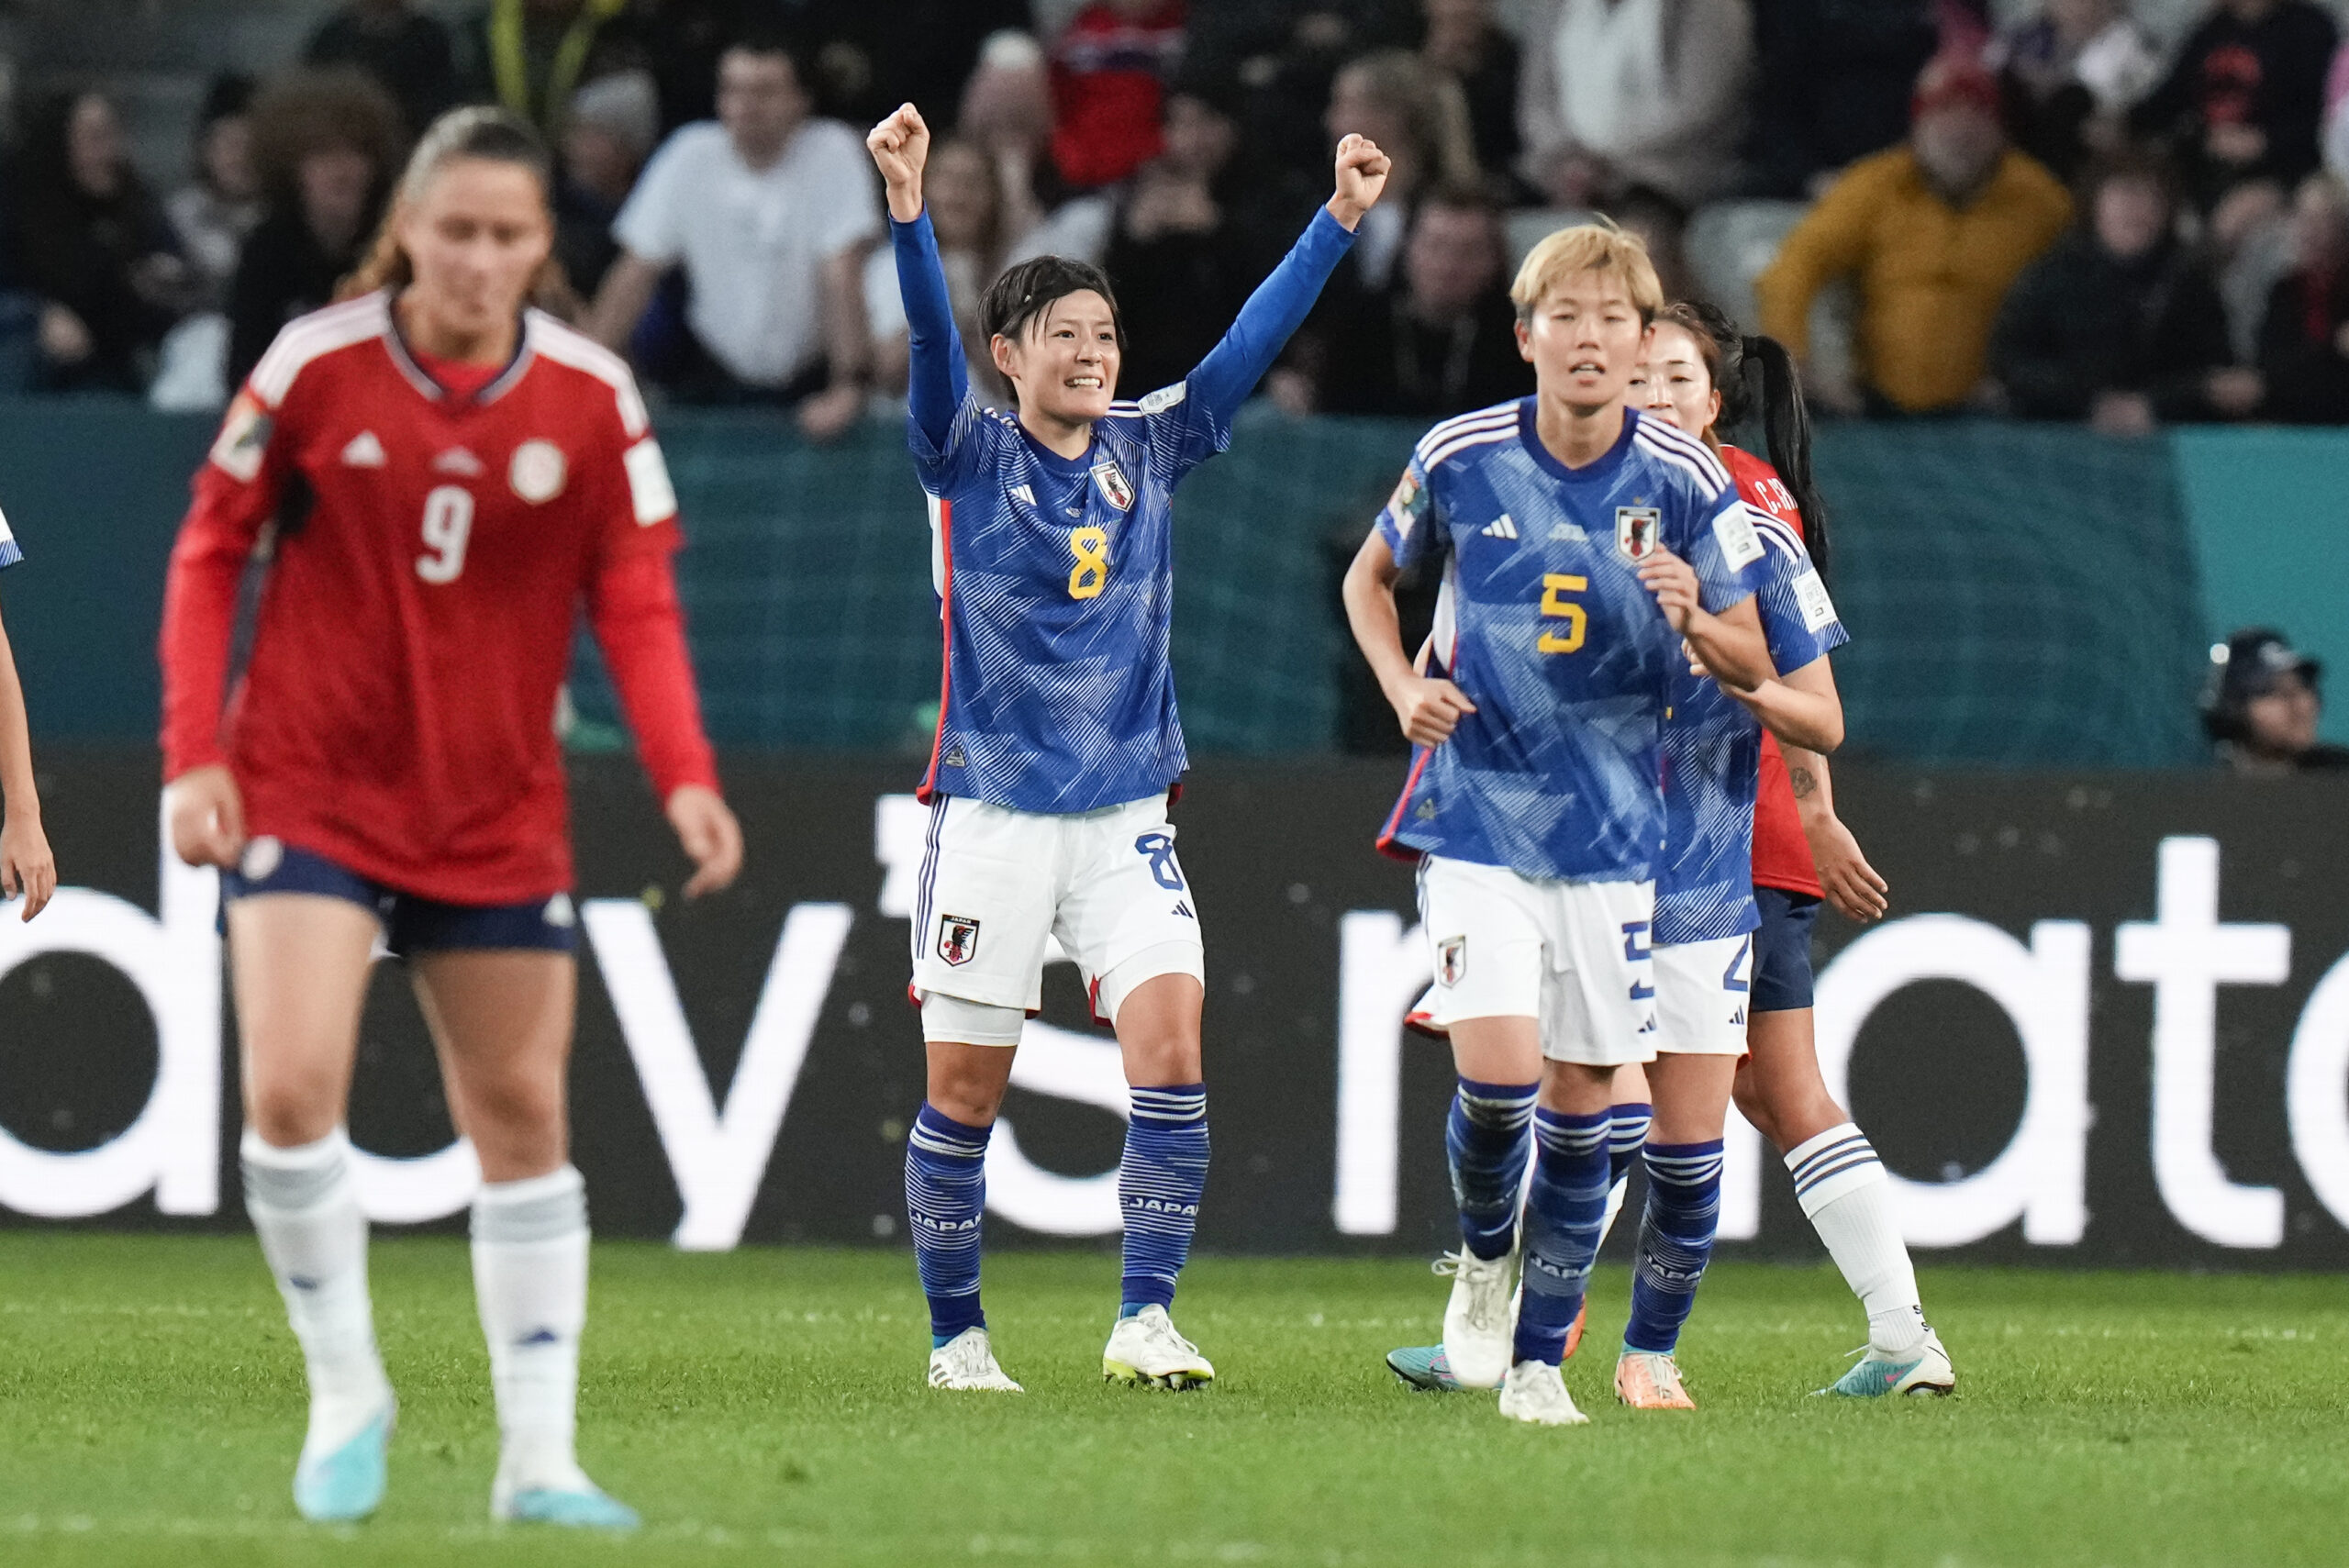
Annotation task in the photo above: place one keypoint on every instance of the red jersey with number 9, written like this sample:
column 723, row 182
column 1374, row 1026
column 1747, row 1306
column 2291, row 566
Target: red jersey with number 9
column 1781, row 853
column 430, row 554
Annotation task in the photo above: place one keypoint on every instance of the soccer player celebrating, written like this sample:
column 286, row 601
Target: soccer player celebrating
column 1581, row 543
column 445, row 475
column 1058, row 745
column 27, row 868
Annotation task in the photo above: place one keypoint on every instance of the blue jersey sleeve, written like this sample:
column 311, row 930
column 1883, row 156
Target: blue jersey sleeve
column 939, row 412
column 1408, row 522
column 1798, row 619
column 1191, row 421
column 9, row 552
column 1723, row 549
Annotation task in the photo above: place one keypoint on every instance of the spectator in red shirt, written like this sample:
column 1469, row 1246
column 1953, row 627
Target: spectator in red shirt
column 1109, row 66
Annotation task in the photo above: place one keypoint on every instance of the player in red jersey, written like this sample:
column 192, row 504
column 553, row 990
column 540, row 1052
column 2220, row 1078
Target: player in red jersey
column 1802, row 853
column 440, row 477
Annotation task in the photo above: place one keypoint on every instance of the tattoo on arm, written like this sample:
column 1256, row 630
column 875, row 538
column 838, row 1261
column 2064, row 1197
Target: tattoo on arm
column 1803, row 782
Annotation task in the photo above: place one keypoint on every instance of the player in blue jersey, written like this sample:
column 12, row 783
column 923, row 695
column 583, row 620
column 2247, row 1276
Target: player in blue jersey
column 1058, row 745
column 1581, row 543
column 27, row 868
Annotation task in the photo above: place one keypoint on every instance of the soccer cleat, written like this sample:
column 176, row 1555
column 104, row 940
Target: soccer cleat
column 1535, row 1392
column 576, row 1504
column 967, row 1362
column 1145, row 1350
column 346, row 1482
column 1925, row 1370
column 1422, row 1367
column 1478, row 1319
column 1650, row 1380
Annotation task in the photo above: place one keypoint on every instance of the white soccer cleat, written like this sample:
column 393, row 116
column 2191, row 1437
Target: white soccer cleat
column 1925, row 1370
column 967, row 1362
column 1480, row 1318
column 1535, row 1393
column 565, row 1498
column 1144, row 1349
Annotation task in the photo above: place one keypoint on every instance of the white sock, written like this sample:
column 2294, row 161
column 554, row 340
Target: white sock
column 1842, row 1188
column 306, row 1210
column 530, row 1283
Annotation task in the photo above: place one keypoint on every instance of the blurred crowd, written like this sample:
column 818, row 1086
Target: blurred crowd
column 2036, row 211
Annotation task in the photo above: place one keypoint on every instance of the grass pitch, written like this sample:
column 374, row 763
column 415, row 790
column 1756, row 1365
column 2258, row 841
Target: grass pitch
column 767, row 1407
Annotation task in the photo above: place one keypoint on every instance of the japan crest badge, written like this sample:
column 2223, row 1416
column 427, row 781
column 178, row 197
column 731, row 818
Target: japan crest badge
column 1452, row 960
column 958, row 939
column 1635, row 531
column 1114, row 488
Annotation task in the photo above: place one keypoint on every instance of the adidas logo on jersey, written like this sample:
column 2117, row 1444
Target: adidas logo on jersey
column 1184, row 909
column 1502, row 527
column 458, row 461
column 364, row 451
column 1023, row 494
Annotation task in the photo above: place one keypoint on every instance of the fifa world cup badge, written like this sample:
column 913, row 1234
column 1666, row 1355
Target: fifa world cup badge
column 1635, row 531
column 958, row 939
column 1452, row 960
column 1114, row 488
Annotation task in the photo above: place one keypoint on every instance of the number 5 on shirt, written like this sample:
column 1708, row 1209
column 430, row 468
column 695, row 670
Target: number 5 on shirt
column 1091, row 573
column 1555, row 585
column 448, row 524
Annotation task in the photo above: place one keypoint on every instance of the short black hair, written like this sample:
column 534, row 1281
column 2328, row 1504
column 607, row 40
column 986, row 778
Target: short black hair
column 1027, row 290
column 760, row 36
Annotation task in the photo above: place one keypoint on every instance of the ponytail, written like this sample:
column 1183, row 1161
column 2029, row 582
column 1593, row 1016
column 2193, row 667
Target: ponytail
column 496, row 136
column 1786, row 428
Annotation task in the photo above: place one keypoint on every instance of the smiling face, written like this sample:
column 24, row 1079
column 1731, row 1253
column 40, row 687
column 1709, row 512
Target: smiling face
column 1679, row 384
column 1585, row 339
column 476, row 235
column 1063, row 362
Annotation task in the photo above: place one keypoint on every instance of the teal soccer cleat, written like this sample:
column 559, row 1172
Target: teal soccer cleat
column 584, row 1507
column 1422, row 1367
column 1926, row 1370
column 346, row 1482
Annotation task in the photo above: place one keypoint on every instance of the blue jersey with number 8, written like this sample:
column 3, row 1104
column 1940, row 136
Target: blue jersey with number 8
column 1544, row 625
column 1055, row 575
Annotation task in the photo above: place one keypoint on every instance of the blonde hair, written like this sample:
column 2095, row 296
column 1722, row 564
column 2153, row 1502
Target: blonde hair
column 1596, row 246
column 500, row 136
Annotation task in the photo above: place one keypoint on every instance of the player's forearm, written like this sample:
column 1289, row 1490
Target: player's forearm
column 1813, row 787
column 1272, row 315
column 1377, row 626
column 1798, row 718
column 1734, row 650
column 18, row 797
column 936, row 379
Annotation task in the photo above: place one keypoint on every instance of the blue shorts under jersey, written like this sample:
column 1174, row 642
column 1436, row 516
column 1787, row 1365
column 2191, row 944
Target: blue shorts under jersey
column 411, row 924
column 1712, row 754
column 1544, row 625
column 1055, row 574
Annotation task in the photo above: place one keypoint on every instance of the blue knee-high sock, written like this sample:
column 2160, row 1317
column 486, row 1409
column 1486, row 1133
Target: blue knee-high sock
column 1487, row 1141
column 1627, row 1133
column 946, row 1191
column 1160, row 1181
column 1675, row 1241
column 1563, row 1210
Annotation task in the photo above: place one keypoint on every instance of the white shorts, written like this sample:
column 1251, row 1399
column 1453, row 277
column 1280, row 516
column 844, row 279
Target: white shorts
column 997, row 884
column 1571, row 954
column 1702, row 990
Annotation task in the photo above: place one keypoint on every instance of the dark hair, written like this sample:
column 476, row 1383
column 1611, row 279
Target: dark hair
column 308, row 111
column 48, row 161
column 1027, row 290
column 1758, row 380
column 496, row 136
column 2128, row 163
column 764, row 37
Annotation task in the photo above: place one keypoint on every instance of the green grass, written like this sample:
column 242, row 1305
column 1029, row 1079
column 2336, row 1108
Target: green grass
column 767, row 1407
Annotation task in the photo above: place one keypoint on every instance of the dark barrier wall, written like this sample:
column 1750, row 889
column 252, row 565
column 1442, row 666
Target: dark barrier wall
column 2111, row 1025
column 2023, row 595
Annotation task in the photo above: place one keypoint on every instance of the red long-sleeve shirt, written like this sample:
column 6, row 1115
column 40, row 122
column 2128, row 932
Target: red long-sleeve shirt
column 431, row 549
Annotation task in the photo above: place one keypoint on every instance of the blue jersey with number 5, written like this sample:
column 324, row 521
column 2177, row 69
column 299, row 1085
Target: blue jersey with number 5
column 1055, row 574
column 1544, row 625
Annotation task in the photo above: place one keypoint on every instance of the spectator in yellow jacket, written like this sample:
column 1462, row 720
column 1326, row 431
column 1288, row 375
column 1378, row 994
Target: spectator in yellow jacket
column 1934, row 232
